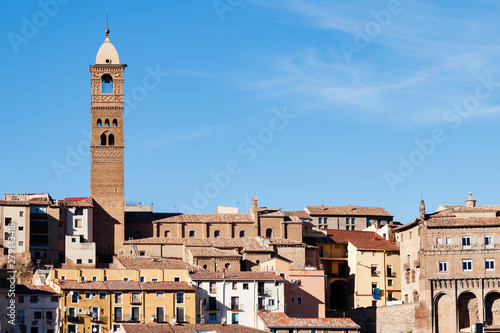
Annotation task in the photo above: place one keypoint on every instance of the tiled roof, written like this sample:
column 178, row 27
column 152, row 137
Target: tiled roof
column 270, row 212
column 213, row 253
column 166, row 285
column 234, row 275
column 29, row 289
column 78, row 202
column 13, row 203
column 363, row 240
column 463, row 222
column 292, row 219
column 247, row 244
column 299, row 213
column 281, row 320
column 189, row 328
column 210, row 218
column 123, row 285
column 347, row 211
column 154, row 263
column 284, row 241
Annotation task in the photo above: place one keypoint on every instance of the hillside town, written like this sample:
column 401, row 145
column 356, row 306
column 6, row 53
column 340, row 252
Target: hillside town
column 98, row 264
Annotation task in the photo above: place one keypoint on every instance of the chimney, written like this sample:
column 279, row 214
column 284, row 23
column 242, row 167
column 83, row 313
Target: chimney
column 422, row 210
column 470, row 202
column 255, row 213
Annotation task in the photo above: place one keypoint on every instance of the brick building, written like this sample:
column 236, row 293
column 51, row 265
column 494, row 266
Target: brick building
column 449, row 265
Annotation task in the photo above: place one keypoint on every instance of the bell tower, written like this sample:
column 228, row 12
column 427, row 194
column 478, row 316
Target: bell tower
column 107, row 170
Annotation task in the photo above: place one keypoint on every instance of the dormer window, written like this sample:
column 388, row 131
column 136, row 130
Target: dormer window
column 107, row 84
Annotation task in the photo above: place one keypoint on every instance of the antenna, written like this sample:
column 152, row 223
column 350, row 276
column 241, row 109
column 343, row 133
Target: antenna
column 107, row 25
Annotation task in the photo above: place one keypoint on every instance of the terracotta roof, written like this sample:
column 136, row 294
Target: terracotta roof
column 270, row 212
column 123, row 285
column 281, row 320
column 166, row 285
column 78, row 202
column 363, row 240
column 463, row 222
column 284, row 241
column 213, row 253
column 347, row 211
column 234, row 275
column 247, row 244
column 188, row 328
column 299, row 213
column 154, row 263
column 292, row 219
column 75, row 285
column 13, row 203
column 210, row 218
column 29, row 289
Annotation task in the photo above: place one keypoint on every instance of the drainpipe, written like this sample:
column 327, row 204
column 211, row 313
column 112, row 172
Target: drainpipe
column 384, row 272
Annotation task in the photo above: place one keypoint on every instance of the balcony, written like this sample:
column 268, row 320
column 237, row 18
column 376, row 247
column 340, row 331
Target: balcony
column 406, row 266
column 262, row 291
column 237, row 307
column 416, row 263
column 96, row 318
column 73, row 318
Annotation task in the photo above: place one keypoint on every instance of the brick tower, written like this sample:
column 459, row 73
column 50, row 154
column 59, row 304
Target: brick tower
column 107, row 174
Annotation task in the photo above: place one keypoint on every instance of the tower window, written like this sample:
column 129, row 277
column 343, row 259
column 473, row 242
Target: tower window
column 111, row 140
column 115, row 123
column 107, row 84
column 99, row 122
column 269, row 233
column 106, row 123
column 103, row 139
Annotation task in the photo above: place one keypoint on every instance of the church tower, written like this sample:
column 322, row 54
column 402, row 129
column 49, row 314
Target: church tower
column 107, row 171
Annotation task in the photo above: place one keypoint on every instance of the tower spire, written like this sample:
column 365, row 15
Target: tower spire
column 107, row 24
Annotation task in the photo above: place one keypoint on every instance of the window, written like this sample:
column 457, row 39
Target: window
column 135, row 297
column 242, row 233
column 466, row 242
column 179, row 311
column 73, row 239
column 48, row 315
column 160, row 314
column 115, row 123
column 353, row 227
column 106, row 123
column 99, row 122
column 439, row 241
column 78, row 211
column 8, row 220
column 21, row 243
column 118, row 298
column 142, row 278
column 94, row 294
column 490, row 264
column 299, row 283
column 33, row 299
column 180, row 298
column 325, row 220
column 374, row 270
column 269, row 233
column 103, row 139
column 299, row 315
column 160, row 295
column 299, row 300
column 488, row 240
column 71, row 328
column 117, row 327
column 79, row 261
column 235, row 286
column 177, row 279
column 111, row 140
column 83, row 278
column 235, row 318
column 72, row 312
column 346, row 227
column 118, row 313
column 20, row 228
column 271, row 302
column 154, row 280
column 102, row 295
column 212, row 287
column 292, row 299
column 389, row 282
column 78, row 223
column 443, row 266
column 74, row 297
column 216, row 233
column 467, row 265
column 235, row 303
column 125, row 279
column 38, row 314
column 245, row 286
column 21, row 299
column 319, row 220
column 21, row 214
column 135, row 313
column 20, row 316
column 107, row 84
column 448, row 240
column 105, row 278
column 192, row 233
column 88, row 295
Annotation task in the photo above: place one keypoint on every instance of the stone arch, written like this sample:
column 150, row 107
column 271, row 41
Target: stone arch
column 492, row 308
column 269, row 232
column 115, row 123
column 106, row 123
column 338, row 292
column 103, row 139
column 111, row 140
column 99, row 122
column 467, row 307
column 443, row 314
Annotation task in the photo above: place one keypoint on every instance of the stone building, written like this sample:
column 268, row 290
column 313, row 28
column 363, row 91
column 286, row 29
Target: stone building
column 449, row 265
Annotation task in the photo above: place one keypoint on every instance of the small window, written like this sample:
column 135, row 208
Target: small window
column 142, row 278
column 115, row 123
column 88, row 295
column 21, row 243
column 216, row 233
column 78, row 223
column 242, row 233
column 103, row 139
column 466, row 242
column 20, row 228
column 180, row 298
column 448, row 240
column 389, row 282
column 191, row 233
column 99, row 122
column 488, row 240
column 271, row 302
column 177, row 279
column 111, row 140
column 443, row 266
column 154, row 280
column 102, row 295
column 125, row 279
column 292, row 299
column 490, row 264
column 49, row 315
column 63, row 277
column 118, row 297
column 299, row 315
column 235, row 284
column 245, row 286
column 38, row 315
column 21, row 214
column 107, row 84
column 160, row 295
column 467, row 265
column 299, row 283
column 269, row 233
column 90, row 261
column 299, row 300
column 79, row 261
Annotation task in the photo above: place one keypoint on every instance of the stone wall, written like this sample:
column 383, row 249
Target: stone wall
column 382, row 319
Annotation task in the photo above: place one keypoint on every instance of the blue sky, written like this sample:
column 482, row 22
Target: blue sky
column 375, row 103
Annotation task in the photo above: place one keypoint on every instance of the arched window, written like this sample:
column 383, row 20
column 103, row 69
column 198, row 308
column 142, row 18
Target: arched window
column 205, row 266
column 115, row 123
column 103, row 139
column 106, row 123
column 227, row 265
column 242, row 233
column 216, row 233
column 111, row 140
column 107, row 84
column 167, row 233
column 269, row 233
column 99, row 122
